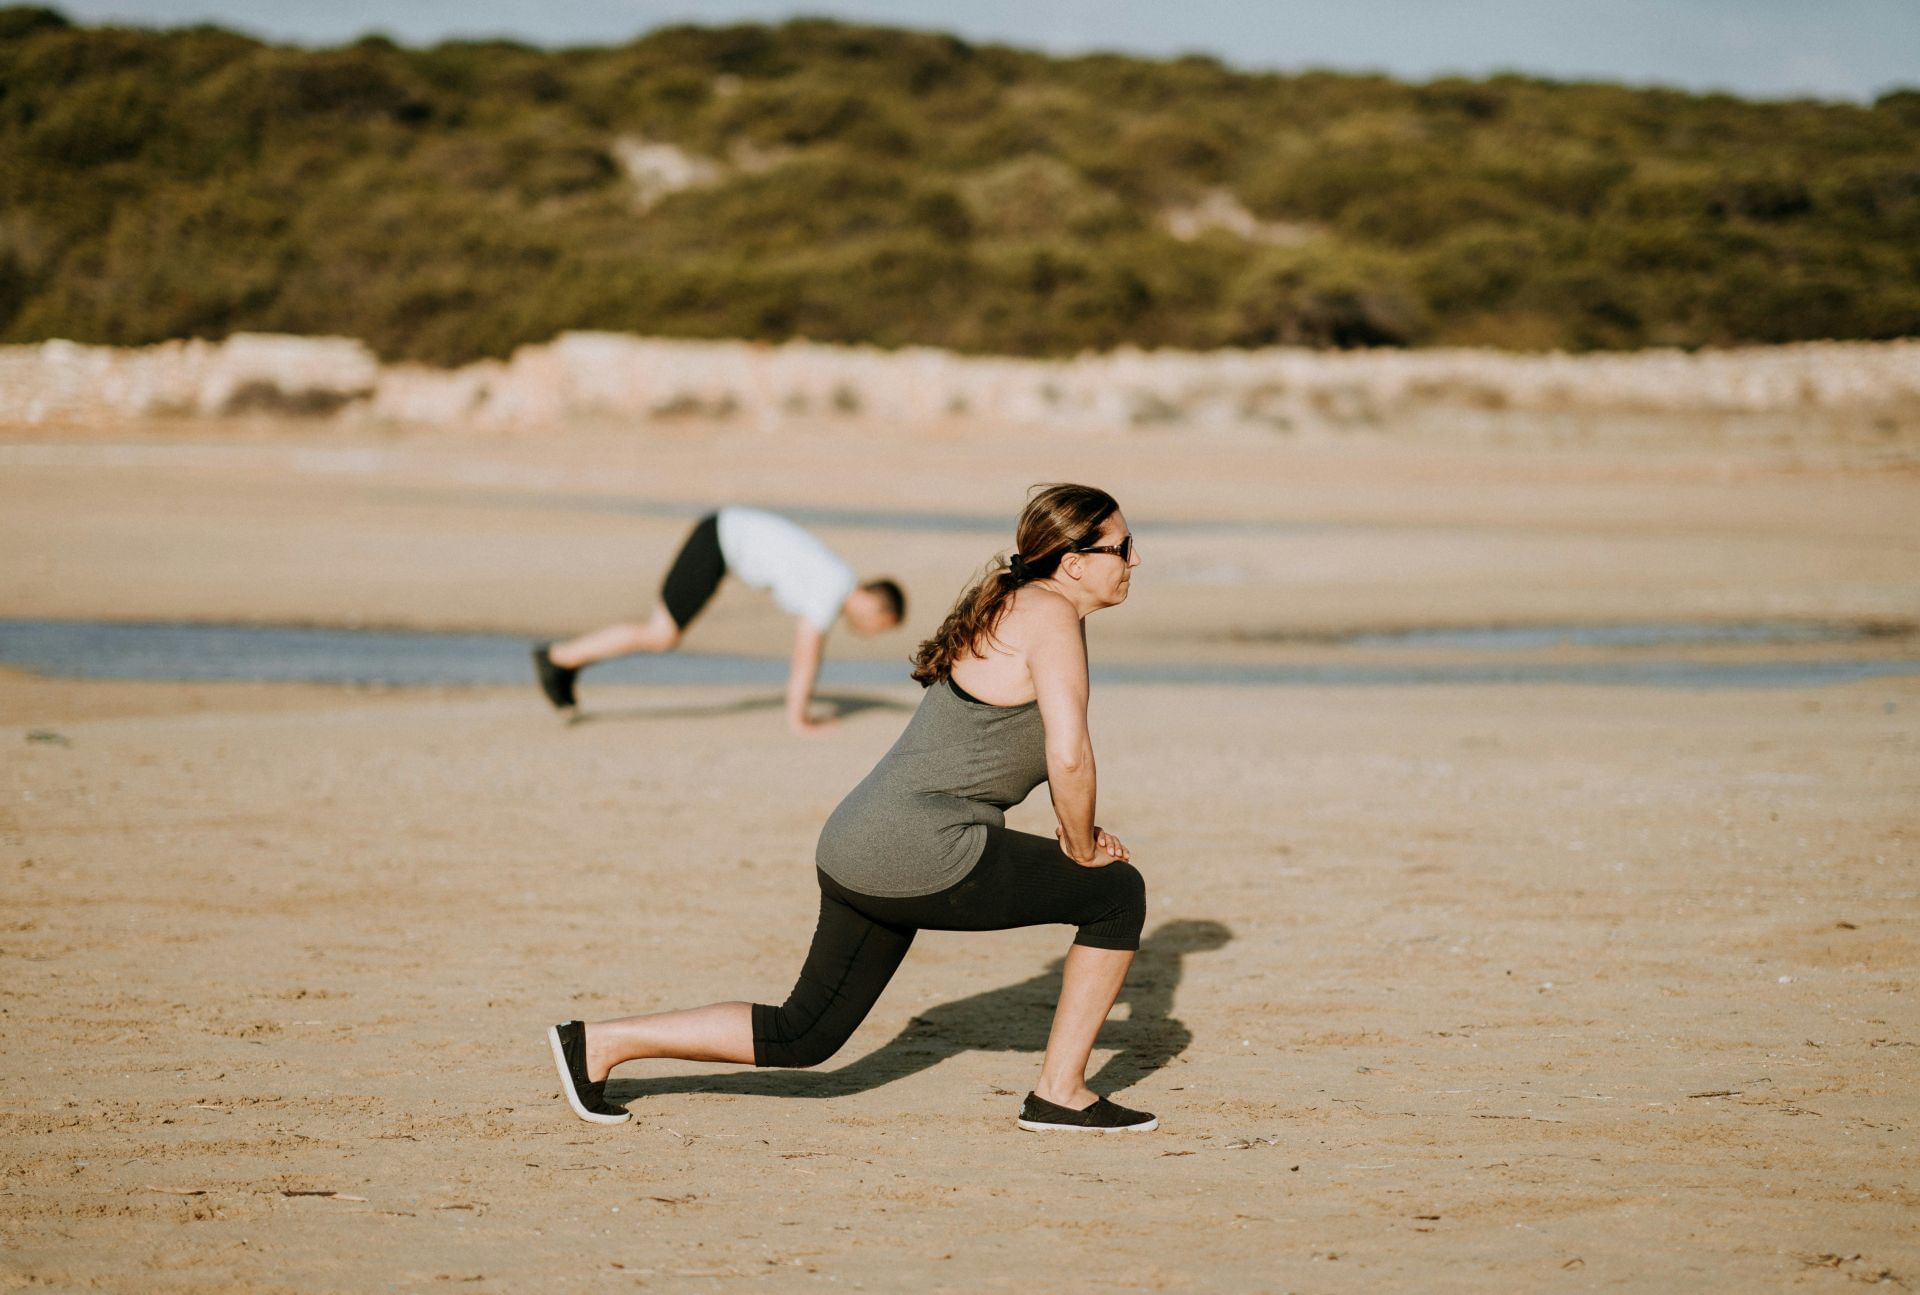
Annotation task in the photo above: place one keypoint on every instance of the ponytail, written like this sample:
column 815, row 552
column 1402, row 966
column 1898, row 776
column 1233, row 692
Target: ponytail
column 1056, row 520
column 972, row 620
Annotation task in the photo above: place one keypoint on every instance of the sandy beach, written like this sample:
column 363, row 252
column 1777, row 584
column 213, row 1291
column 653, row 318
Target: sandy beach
column 1444, row 988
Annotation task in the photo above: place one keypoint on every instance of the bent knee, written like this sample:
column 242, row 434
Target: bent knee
column 1116, row 921
column 789, row 1042
column 813, row 1054
column 803, row 1053
column 659, row 632
column 1128, row 887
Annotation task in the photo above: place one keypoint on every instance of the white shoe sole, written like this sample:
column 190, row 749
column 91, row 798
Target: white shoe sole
column 566, row 1084
column 1037, row 1126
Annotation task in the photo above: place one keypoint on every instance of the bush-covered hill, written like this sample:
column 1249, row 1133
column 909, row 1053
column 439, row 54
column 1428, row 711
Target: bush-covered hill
column 862, row 184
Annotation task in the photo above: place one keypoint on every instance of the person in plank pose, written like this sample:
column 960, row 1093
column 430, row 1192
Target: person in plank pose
column 764, row 551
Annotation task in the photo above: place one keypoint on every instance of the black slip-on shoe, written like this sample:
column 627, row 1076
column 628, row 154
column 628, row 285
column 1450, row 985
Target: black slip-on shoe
column 588, row 1100
column 556, row 681
column 1038, row 1115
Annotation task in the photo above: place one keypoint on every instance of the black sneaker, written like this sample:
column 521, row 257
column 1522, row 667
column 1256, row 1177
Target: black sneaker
column 556, row 681
column 1041, row 1116
column 589, row 1101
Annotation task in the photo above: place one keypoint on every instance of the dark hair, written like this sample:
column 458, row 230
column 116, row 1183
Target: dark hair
column 1057, row 520
column 892, row 594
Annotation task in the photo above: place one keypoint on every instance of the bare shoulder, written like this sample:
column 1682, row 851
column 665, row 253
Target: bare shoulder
column 1038, row 616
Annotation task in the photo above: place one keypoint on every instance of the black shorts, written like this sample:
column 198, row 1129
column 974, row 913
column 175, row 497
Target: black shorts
column 696, row 573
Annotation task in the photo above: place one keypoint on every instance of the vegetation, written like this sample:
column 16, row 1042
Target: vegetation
column 861, row 184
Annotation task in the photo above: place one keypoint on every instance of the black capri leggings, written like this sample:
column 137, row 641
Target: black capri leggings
column 1021, row 880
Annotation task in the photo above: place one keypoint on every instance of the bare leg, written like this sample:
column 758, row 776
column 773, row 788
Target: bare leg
column 716, row 1032
column 1088, row 985
column 657, row 634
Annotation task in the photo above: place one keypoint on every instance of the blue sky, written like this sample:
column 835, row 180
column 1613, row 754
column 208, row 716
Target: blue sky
column 1839, row 49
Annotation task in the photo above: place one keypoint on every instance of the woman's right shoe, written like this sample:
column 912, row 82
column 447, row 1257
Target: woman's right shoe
column 556, row 681
column 589, row 1101
column 1041, row 1116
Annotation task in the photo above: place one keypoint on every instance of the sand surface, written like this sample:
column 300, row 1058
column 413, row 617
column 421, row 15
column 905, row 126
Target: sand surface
column 1444, row 988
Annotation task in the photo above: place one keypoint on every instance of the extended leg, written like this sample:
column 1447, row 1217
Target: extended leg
column 716, row 1032
column 848, row 965
column 690, row 582
column 657, row 634
column 852, row 958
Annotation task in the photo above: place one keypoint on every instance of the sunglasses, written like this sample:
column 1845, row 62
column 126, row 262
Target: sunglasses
column 1123, row 550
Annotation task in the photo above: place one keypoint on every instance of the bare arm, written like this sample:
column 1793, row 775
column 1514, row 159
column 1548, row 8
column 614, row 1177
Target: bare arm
column 809, row 645
column 1057, row 660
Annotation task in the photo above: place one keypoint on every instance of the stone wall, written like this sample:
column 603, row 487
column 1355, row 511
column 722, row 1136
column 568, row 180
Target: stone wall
column 606, row 375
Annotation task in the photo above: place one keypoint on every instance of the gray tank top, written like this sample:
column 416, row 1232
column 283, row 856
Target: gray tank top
column 918, row 823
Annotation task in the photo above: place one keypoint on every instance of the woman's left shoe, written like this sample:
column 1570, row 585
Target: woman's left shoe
column 588, row 1100
column 1041, row 1116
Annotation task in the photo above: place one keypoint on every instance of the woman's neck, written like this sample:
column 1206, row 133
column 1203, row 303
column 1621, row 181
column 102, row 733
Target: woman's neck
column 1072, row 592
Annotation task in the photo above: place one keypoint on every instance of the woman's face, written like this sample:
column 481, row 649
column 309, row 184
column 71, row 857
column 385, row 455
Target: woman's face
column 1107, row 575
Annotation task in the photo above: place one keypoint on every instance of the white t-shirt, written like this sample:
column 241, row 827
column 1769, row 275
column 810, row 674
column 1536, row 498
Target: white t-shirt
column 766, row 551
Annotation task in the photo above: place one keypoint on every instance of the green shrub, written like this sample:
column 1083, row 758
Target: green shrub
column 894, row 187
column 1301, row 299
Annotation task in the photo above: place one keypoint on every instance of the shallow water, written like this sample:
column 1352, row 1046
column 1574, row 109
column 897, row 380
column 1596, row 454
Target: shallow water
column 1534, row 638
column 106, row 650
column 886, row 519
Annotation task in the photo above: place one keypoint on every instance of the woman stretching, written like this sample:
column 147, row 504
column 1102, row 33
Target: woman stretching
column 921, row 843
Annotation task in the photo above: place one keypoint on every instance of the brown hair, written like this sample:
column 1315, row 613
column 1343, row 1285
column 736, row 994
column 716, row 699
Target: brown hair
column 891, row 594
column 1057, row 520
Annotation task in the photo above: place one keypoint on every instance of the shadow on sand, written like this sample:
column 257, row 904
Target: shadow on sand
column 841, row 704
column 1014, row 1018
